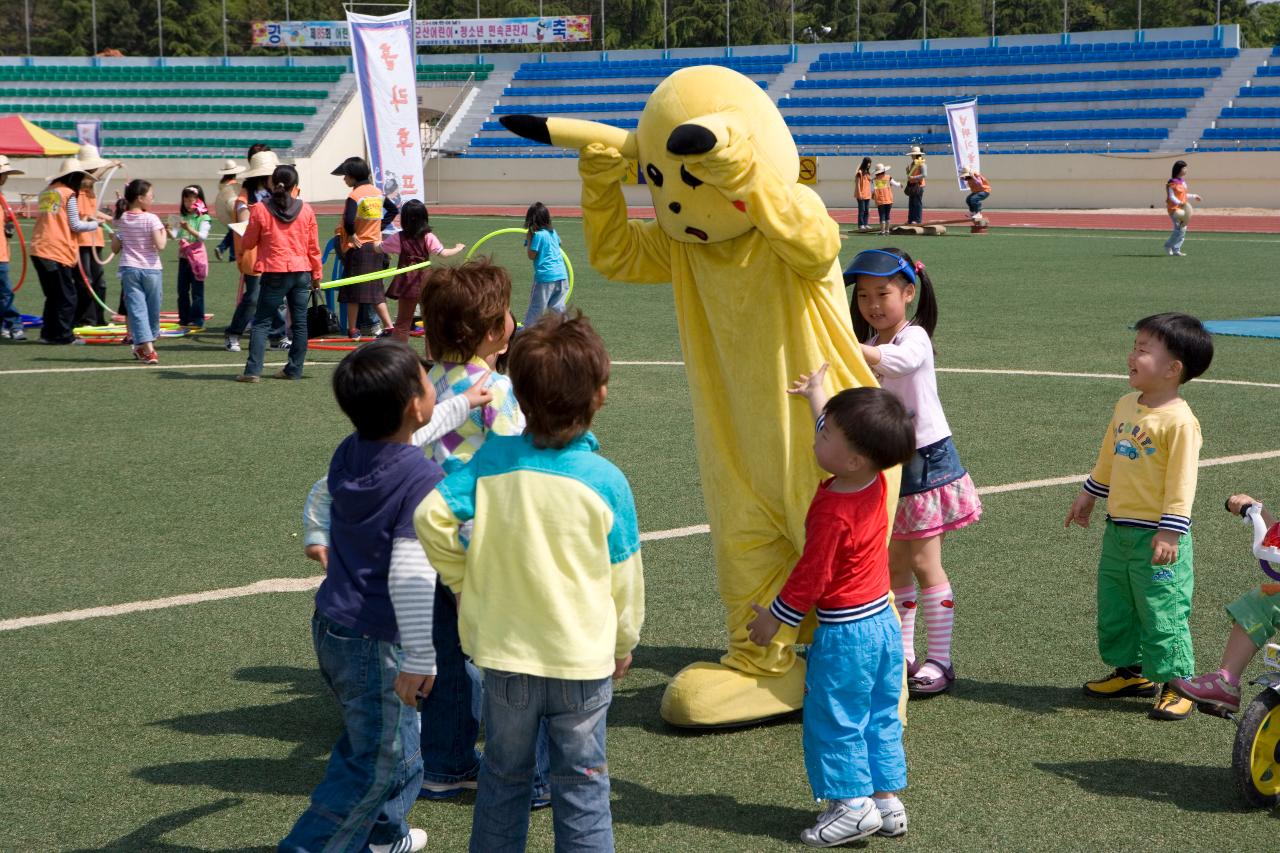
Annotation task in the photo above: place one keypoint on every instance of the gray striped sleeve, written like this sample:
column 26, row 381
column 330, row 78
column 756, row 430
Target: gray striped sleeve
column 413, row 595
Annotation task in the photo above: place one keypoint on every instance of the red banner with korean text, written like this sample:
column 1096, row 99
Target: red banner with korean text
column 387, row 80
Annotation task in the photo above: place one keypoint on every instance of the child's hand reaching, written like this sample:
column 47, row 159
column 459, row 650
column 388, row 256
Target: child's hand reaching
column 621, row 666
column 1164, row 547
column 478, row 394
column 411, row 687
column 319, row 553
column 458, row 247
column 762, row 629
column 809, row 386
column 1081, row 509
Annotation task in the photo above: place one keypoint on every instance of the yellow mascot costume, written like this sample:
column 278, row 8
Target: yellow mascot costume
column 753, row 258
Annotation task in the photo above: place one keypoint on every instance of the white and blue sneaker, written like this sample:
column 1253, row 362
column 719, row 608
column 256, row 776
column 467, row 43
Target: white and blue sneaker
column 843, row 822
column 893, row 819
column 445, row 790
column 411, row 843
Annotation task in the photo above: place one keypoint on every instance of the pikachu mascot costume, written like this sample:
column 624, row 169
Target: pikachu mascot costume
column 753, row 259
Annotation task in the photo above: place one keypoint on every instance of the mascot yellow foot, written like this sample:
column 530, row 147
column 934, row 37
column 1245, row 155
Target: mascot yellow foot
column 711, row 695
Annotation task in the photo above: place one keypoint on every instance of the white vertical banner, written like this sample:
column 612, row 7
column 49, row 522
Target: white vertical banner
column 962, row 121
column 386, row 76
column 89, row 133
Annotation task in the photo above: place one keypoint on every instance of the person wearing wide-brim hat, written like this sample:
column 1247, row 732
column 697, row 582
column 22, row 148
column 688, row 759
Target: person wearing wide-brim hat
column 89, row 310
column 55, row 250
column 882, row 185
column 10, row 319
column 917, row 171
column 224, row 205
column 979, row 190
column 254, row 188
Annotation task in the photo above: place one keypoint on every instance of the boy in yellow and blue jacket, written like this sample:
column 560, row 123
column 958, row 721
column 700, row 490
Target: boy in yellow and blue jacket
column 551, row 588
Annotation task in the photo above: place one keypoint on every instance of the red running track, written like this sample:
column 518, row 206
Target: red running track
column 1155, row 220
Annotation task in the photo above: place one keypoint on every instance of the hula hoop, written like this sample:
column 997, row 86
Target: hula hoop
column 97, row 250
column 31, row 321
column 372, row 276
column 564, row 255
column 333, row 347
column 22, row 241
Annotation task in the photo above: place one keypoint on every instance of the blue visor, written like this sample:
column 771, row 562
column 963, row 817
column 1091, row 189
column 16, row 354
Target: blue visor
column 878, row 262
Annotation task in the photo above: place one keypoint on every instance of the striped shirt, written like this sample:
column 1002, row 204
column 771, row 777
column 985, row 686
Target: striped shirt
column 138, row 249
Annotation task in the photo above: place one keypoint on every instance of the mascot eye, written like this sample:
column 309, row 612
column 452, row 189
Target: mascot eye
column 655, row 177
column 689, row 179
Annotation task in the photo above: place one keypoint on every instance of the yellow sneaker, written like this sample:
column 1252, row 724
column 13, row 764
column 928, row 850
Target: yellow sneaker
column 1125, row 681
column 1171, row 706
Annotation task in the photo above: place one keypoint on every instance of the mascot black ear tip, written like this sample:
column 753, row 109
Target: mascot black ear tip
column 530, row 127
column 691, row 139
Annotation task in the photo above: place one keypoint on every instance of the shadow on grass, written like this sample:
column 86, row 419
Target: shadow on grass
column 636, row 805
column 148, row 836
column 309, row 720
column 1188, row 787
column 1039, row 699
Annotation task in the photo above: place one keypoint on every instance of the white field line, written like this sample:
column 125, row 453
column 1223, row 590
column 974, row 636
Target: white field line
column 1062, row 374
column 305, row 584
column 1029, row 231
column 142, row 368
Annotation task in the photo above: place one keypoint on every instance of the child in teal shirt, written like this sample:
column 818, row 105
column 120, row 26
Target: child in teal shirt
column 550, row 278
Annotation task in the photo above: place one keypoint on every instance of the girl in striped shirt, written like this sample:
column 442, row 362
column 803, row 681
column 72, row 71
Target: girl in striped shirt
column 139, row 236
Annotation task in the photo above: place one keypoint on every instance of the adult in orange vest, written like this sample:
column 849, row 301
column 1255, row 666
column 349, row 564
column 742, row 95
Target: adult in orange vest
column 1175, row 202
column 917, row 171
column 862, row 194
column 10, row 319
column 253, row 190
column 362, row 221
column 55, row 253
column 88, row 311
column 979, row 190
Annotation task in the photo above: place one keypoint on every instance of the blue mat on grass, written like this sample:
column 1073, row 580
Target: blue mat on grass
column 1253, row 327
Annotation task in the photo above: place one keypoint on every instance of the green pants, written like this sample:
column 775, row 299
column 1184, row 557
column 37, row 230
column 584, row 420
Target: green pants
column 1257, row 612
column 1143, row 608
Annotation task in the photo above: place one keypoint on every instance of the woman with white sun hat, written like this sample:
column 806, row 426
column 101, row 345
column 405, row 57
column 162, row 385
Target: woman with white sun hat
column 89, row 310
column 224, row 205
column 917, row 171
column 55, row 250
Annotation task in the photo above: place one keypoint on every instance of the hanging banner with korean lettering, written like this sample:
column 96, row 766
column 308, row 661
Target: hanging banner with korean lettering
column 962, row 121
column 471, row 31
column 89, row 133
column 386, row 79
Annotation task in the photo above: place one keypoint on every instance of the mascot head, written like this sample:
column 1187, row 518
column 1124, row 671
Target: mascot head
column 693, row 112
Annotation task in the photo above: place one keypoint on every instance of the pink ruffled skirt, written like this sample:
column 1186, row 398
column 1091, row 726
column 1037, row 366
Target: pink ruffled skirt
column 932, row 513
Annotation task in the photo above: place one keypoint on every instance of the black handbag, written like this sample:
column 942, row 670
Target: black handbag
column 320, row 320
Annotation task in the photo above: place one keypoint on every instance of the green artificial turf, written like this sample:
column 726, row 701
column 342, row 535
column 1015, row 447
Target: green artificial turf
column 204, row 727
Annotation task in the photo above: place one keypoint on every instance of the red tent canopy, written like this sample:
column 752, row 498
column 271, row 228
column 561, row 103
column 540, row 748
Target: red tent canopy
column 19, row 137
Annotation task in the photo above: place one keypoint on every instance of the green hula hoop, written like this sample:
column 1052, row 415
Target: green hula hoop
column 372, row 276
column 564, row 255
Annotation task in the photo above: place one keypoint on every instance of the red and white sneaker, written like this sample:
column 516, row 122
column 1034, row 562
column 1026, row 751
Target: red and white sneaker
column 1213, row 689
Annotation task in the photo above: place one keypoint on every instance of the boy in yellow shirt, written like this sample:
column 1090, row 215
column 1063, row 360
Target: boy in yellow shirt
column 551, row 588
column 1146, row 470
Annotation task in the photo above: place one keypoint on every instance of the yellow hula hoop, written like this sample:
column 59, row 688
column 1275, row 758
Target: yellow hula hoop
column 564, row 255
column 372, row 276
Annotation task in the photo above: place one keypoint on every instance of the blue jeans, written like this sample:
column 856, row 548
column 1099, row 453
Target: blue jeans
column 864, row 212
column 932, row 466
column 278, row 289
column 915, row 208
column 375, row 769
column 451, row 713
column 1177, row 236
column 515, row 706
column 228, row 245
column 546, row 296
column 143, row 290
column 190, row 296
column 975, row 200
column 248, row 307
column 9, row 317
column 851, row 730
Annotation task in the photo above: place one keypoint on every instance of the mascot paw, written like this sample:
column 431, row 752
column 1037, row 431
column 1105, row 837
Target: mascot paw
column 709, row 695
column 601, row 164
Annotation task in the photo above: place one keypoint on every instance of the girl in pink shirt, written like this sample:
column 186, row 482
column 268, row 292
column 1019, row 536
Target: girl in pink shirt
column 936, row 495
column 414, row 243
column 139, row 236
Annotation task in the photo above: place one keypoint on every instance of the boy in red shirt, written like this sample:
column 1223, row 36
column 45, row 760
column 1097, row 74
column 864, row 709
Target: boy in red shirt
column 852, row 732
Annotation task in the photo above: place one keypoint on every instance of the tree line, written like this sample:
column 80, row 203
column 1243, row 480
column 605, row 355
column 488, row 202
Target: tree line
column 194, row 27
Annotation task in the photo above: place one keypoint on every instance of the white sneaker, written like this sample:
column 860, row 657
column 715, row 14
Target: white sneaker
column 840, row 824
column 1178, row 253
column 232, row 343
column 414, row 841
column 283, row 343
column 1168, row 251
column 893, row 821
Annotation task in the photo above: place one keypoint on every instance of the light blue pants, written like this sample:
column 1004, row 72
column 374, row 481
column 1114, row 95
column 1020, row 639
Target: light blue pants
column 143, row 290
column 852, row 731
column 546, row 296
column 1176, row 237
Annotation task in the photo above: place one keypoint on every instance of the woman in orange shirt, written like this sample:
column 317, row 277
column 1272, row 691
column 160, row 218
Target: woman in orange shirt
column 1175, row 202
column 862, row 193
column 55, row 252
column 283, row 231
column 88, row 311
